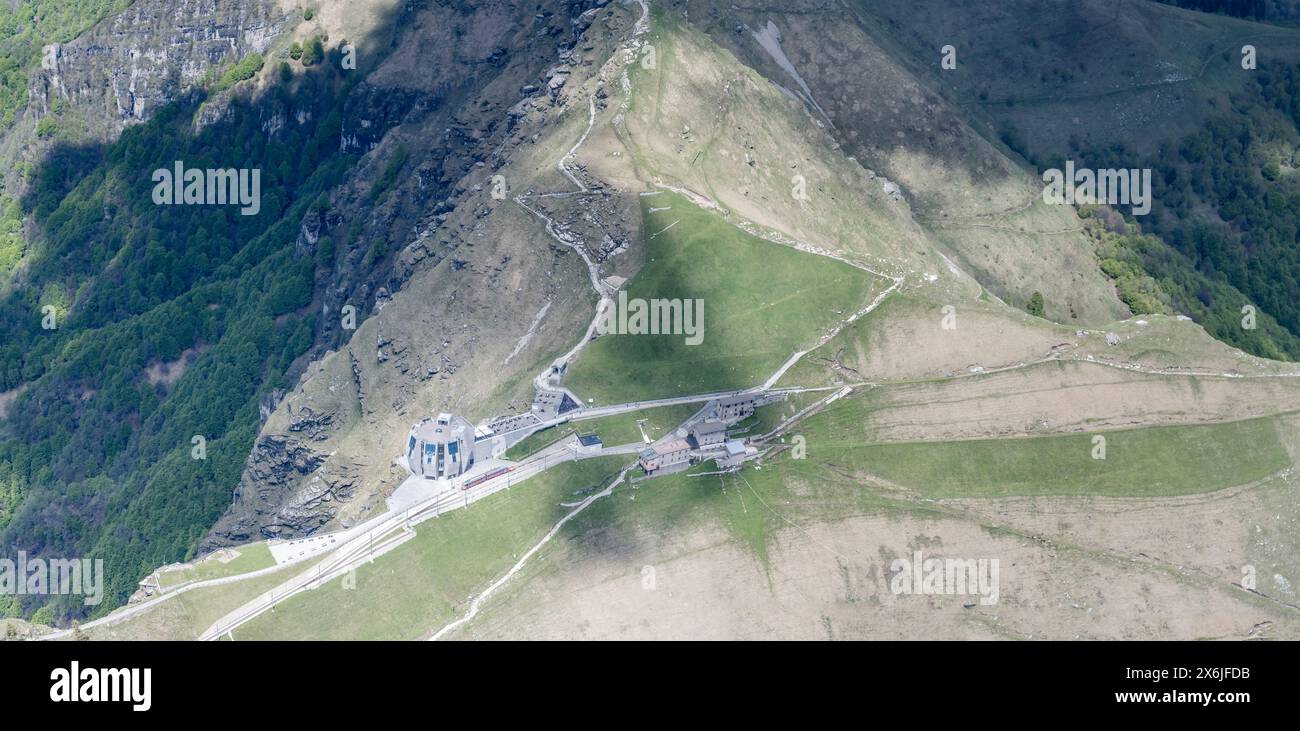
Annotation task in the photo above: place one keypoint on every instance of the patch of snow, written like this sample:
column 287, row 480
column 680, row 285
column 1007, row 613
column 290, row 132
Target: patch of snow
column 528, row 336
column 769, row 38
column 951, row 267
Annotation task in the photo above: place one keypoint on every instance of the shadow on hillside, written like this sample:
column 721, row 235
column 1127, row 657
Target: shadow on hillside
column 97, row 459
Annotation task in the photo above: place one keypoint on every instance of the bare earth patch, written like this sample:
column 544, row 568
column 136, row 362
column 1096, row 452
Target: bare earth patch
column 1073, row 396
column 832, row 581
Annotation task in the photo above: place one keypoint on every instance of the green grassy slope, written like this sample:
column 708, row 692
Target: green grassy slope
column 762, row 302
column 252, row 557
column 1144, row 462
column 428, row 581
column 185, row 616
column 1141, row 73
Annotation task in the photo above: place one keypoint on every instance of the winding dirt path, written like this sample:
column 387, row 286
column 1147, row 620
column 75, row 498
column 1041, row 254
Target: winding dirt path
column 478, row 600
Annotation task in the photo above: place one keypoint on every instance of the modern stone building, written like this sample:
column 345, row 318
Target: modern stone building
column 550, row 404
column 447, row 446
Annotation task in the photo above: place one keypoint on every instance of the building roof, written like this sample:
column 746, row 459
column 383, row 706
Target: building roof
column 589, row 440
column 735, row 447
column 446, row 428
column 672, row 445
column 709, row 426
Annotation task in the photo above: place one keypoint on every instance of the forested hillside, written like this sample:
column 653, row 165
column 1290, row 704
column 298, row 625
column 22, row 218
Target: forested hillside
column 26, row 26
column 99, row 453
column 1227, row 199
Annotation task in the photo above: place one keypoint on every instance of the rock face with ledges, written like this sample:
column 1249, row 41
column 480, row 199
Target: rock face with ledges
column 276, row 464
column 127, row 67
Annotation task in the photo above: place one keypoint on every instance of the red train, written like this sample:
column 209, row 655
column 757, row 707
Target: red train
column 485, row 477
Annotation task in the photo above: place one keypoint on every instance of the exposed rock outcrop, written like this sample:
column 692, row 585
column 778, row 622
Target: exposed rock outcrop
column 126, row 68
column 275, row 466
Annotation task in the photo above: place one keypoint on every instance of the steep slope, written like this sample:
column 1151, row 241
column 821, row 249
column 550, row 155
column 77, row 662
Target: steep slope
column 1205, row 102
column 973, row 204
column 180, row 330
column 122, row 71
column 404, row 278
column 1099, row 72
column 484, row 297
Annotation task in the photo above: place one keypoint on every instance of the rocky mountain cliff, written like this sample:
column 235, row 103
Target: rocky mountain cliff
column 126, row 68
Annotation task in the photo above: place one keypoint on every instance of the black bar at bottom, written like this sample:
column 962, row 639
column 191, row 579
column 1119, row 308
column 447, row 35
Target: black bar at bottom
column 937, row 679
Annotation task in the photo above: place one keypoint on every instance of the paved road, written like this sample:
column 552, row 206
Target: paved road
column 597, row 412
column 377, row 537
